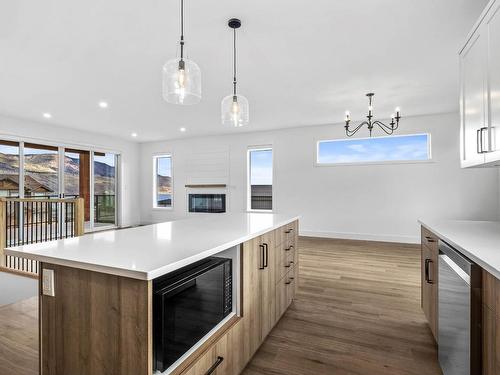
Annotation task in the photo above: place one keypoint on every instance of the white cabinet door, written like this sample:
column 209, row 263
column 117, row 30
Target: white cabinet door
column 473, row 65
column 493, row 27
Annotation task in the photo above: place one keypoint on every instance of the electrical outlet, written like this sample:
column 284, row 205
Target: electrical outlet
column 48, row 282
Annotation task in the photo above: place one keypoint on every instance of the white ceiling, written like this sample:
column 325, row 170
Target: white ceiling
column 300, row 62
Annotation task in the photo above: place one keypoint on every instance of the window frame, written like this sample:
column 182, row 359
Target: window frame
column 155, row 174
column 380, row 162
column 268, row 147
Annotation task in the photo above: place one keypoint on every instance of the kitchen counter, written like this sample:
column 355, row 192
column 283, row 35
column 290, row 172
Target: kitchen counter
column 477, row 240
column 151, row 251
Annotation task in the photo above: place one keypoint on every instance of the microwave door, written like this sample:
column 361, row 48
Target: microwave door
column 190, row 310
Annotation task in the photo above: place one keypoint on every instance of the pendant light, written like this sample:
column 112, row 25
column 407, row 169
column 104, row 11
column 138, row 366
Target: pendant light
column 234, row 107
column 181, row 76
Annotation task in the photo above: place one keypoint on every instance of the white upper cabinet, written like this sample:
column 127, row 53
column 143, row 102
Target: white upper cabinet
column 480, row 91
column 493, row 27
column 474, row 99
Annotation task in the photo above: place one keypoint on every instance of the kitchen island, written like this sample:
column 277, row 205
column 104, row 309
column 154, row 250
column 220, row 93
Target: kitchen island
column 461, row 293
column 96, row 314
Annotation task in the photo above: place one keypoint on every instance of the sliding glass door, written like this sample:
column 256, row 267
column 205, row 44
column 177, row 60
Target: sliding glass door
column 29, row 170
column 105, row 193
column 77, row 177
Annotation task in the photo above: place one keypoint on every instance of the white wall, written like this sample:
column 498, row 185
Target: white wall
column 12, row 128
column 380, row 202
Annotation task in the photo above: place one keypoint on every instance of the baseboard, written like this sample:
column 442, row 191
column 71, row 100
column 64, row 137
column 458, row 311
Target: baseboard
column 362, row 236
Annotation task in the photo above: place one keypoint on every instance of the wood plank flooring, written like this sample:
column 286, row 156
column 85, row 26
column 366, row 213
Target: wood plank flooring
column 19, row 338
column 357, row 312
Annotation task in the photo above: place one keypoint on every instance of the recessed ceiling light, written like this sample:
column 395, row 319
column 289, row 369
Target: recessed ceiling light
column 134, row 135
column 103, row 104
column 47, row 115
column 182, row 129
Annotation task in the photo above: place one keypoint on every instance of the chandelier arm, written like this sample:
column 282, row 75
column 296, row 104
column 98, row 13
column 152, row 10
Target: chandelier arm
column 356, row 129
column 387, row 129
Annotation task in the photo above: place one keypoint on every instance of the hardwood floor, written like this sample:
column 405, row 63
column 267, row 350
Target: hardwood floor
column 357, row 312
column 19, row 338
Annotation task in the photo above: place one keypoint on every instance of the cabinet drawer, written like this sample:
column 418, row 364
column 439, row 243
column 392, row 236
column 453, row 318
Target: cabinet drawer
column 430, row 240
column 217, row 360
column 286, row 261
column 285, row 291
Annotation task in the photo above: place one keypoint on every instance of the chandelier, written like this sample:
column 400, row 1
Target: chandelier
column 388, row 129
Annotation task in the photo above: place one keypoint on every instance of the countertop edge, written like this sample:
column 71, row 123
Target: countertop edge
column 147, row 275
column 495, row 272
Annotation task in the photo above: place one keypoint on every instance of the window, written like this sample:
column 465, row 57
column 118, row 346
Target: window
column 260, row 176
column 41, row 170
column 162, row 181
column 373, row 150
column 9, row 169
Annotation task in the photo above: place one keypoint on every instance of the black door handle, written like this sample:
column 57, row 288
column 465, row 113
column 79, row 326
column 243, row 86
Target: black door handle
column 215, row 365
column 430, row 239
column 266, row 247
column 261, row 267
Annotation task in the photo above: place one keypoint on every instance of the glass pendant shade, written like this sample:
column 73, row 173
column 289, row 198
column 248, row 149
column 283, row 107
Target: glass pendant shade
column 235, row 111
column 181, row 82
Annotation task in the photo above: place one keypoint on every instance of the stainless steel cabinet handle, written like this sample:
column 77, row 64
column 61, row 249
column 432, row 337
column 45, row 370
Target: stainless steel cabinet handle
column 215, row 365
column 479, row 142
column 427, row 271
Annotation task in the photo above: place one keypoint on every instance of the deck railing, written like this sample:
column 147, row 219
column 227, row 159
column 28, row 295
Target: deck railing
column 31, row 220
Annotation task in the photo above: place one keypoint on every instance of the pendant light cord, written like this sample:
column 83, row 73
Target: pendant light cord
column 234, row 62
column 182, row 30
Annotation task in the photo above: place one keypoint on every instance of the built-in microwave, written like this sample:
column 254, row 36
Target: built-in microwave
column 188, row 304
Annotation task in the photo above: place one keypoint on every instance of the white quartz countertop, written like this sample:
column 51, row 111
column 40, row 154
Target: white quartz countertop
column 153, row 250
column 477, row 240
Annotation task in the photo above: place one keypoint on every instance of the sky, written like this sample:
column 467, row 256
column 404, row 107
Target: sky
column 393, row 148
column 261, row 167
column 164, row 166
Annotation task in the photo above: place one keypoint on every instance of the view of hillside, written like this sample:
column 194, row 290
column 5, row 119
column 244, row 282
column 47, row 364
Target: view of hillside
column 43, row 168
column 164, row 184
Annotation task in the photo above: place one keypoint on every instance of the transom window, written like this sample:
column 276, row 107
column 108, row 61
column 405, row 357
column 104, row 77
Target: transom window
column 400, row 148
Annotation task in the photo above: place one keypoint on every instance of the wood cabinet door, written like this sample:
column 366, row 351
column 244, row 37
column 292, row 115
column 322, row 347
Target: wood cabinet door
column 268, row 285
column 252, row 269
column 493, row 28
column 473, row 106
column 429, row 287
column 489, row 345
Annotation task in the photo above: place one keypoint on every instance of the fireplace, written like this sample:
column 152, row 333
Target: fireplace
column 207, row 203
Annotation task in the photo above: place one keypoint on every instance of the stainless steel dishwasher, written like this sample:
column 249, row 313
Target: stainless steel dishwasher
column 459, row 311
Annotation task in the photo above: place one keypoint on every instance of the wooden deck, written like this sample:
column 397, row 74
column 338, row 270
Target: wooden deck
column 357, row 312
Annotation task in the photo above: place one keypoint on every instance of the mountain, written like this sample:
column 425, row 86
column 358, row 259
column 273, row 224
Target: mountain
column 165, row 184
column 43, row 168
